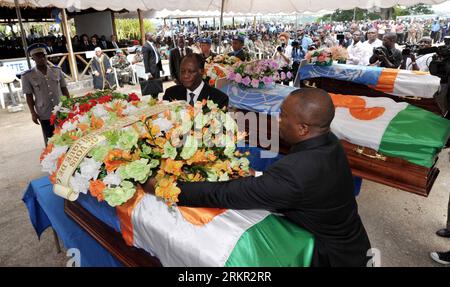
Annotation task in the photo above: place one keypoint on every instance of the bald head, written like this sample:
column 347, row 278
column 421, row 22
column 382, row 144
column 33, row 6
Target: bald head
column 314, row 107
column 305, row 113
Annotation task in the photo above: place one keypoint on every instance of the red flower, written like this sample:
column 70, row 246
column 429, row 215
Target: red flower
column 92, row 102
column 133, row 97
column 52, row 119
column 71, row 115
column 105, row 99
column 85, row 108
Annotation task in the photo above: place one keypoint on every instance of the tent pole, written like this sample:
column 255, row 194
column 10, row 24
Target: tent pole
column 22, row 33
column 141, row 26
column 221, row 23
column 199, row 29
column 66, row 32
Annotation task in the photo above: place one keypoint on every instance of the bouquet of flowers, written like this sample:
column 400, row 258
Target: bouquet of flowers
column 69, row 107
column 180, row 144
column 215, row 67
column 257, row 74
column 326, row 56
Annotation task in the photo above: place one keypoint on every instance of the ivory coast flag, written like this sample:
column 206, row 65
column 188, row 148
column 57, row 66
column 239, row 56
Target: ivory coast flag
column 213, row 237
column 394, row 129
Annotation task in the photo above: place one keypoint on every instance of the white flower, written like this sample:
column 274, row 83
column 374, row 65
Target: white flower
column 90, row 168
column 83, row 118
column 79, row 183
column 68, row 127
column 100, row 112
column 130, row 110
column 113, row 178
column 50, row 161
column 224, row 177
column 163, row 124
column 57, row 108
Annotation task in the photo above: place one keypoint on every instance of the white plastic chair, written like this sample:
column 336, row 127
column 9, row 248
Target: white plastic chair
column 115, row 73
column 130, row 58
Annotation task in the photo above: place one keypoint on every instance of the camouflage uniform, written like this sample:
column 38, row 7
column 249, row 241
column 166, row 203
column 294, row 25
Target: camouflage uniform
column 123, row 68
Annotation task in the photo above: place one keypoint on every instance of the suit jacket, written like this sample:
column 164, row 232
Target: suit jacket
column 312, row 186
column 174, row 62
column 179, row 93
column 150, row 64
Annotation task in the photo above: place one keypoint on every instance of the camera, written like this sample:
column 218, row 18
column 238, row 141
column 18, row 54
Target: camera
column 409, row 49
column 379, row 51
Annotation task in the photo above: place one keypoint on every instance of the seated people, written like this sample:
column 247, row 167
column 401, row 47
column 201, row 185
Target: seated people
column 192, row 88
column 102, row 72
column 238, row 49
column 387, row 55
column 312, row 186
column 123, row 67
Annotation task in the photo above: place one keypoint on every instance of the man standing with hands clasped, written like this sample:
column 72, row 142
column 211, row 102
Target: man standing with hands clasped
column 152, row 61
column 43, row 86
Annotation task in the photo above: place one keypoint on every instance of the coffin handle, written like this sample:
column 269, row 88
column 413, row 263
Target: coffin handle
column 411, row 98
column 360, row 150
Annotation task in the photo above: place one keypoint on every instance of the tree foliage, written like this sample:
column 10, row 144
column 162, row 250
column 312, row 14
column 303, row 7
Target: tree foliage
column 129, row 28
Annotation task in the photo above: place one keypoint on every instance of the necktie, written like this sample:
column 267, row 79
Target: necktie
column 182, row 53
column 191, row 101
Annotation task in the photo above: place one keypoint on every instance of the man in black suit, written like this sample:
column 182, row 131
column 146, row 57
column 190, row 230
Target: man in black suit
column 176, row 55
column 312, row 186
column 152, row 60
column 192, row 87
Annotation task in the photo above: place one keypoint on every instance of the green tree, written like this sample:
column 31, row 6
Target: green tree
column 129, row 28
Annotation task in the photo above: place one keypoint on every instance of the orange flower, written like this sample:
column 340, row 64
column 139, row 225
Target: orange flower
column 48, row 149
column 198, row 157
column 96, row 188
column 168, row 190
column 53, row 178
column 83, row 127
column 172, row 166
column 116, row 158
column 96, row 123
column 154, row 130
column 212, row 156
column 211, row 82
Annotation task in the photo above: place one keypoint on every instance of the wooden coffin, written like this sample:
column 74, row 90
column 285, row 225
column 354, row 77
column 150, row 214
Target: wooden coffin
column 349, row 88
column 368, row 163
column 110, row 239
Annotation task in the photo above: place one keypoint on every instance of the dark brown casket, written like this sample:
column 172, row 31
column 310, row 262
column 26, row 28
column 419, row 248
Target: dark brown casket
column 437, row 105
column 368, row 164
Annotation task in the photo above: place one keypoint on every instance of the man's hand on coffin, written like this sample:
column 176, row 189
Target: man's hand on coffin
column 149, row 185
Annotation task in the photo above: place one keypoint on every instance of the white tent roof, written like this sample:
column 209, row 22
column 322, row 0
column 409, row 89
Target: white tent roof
column 236, row 6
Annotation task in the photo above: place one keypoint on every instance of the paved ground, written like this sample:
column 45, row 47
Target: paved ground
column 401, row 225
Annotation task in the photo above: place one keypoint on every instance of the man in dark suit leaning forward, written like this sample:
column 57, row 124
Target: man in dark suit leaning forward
column 193, row 88
column 312, row 186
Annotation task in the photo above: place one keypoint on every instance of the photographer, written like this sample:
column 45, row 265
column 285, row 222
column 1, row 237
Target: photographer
column 298, row 54
column 283, row 55
column 387, row 55
column 421, row 62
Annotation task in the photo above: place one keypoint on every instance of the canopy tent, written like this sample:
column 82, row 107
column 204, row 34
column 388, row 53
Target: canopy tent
column 236, row 6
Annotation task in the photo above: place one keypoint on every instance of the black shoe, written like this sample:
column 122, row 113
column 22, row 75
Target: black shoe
column 441, row 257
column 444, row 232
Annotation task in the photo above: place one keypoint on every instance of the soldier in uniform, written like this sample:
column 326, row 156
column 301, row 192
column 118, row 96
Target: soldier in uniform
column 123, row 67
column 43, row 86
column 238, row 49
column 205, row 47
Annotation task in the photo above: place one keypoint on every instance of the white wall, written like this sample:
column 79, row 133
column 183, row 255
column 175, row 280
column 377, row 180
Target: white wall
column 99, row 23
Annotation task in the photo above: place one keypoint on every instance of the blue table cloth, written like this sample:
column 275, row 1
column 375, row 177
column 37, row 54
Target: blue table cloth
column 47, row 209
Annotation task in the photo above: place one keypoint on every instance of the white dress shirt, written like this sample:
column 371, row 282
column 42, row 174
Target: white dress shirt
column 196, row 93
column 356, row 53
column 422, row 61
column 368, row 48
column 154, row 51
column 182, row 52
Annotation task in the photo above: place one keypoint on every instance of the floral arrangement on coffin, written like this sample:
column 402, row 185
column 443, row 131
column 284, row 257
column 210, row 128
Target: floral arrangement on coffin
column 184, row 144
column 69, row 107
column 326, row 56
column 257, row 74
column 215, row 67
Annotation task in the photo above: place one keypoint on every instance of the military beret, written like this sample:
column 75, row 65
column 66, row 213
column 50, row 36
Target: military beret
column 204, row 41
column 239, row 38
